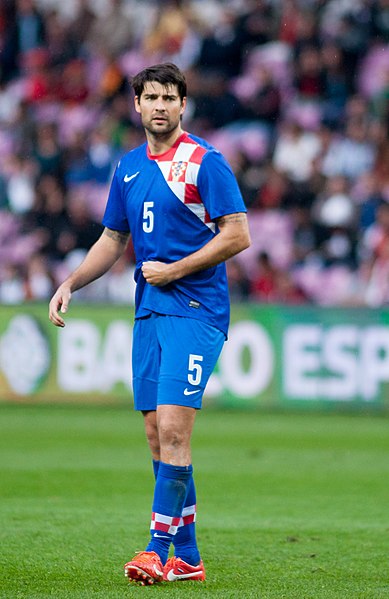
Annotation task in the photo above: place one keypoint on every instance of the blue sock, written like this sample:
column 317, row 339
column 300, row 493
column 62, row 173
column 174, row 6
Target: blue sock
column 156, row 464
column 185, row 544
column 169, row 497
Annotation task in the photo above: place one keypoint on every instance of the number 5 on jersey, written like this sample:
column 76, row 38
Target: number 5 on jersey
column 148, row 217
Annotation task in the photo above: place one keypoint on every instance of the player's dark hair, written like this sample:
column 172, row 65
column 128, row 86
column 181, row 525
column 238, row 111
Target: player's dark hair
column 166, row 74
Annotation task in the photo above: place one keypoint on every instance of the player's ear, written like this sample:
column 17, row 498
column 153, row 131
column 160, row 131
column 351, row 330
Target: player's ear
column 136, row 103
column 183, row 106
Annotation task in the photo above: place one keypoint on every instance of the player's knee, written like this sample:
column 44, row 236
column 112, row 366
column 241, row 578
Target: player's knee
column 171, row 438
column 154, row 445
column 151, row 431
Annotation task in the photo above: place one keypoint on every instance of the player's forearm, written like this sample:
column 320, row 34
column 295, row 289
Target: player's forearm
column 233, row 238
column 216, row 251
column 100, row 258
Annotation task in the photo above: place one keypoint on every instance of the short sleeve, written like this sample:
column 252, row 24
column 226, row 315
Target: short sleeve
column 115, row 216
column 218, row 187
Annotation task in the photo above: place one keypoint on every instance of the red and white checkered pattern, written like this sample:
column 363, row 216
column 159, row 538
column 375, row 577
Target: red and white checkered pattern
column 188, row 515
column 180, row 168
column 164, row 523
column 169, row 524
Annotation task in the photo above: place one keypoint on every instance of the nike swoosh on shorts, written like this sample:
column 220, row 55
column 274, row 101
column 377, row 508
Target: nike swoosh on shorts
column 188, row 392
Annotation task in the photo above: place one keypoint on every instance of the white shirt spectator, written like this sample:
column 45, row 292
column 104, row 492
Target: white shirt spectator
column 350, row 156
column 295, row 152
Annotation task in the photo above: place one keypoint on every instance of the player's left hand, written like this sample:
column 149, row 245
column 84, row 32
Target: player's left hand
column 156, row 273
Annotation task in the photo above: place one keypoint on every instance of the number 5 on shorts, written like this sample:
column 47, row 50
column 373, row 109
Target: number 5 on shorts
column 195, row 369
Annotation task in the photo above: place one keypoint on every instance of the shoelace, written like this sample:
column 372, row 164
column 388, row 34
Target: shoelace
column 144, row 556
column 174, row 563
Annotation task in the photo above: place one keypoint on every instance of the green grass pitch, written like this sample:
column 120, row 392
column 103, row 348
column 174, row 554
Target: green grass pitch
column 290, row 506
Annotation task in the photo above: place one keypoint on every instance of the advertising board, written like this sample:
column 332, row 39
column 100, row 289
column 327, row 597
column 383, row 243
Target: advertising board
column 276, row 356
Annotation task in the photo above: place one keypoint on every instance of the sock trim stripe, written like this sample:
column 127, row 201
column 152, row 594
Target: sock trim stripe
column 189, row 510
column 165, row 519
column 164, row 523
column 188, row 515
column 187, row 520
column 159, row 527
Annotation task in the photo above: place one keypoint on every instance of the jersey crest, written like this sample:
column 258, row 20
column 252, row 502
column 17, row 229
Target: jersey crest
column 177, row 172
column 180, row 168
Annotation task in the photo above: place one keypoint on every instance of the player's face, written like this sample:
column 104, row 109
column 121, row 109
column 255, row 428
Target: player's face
column 160, row 108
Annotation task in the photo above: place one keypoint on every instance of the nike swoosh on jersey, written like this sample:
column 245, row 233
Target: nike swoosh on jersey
column 128, row 178
column 188, row 392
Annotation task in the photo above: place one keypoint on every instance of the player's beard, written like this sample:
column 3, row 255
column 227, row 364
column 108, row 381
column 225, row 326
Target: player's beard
column 161, row 130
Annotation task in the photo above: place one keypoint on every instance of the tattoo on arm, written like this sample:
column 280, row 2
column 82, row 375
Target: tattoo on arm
column 236, row 217
column 119, row 236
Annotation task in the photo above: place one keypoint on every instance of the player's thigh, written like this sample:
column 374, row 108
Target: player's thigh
column 189, row 352
column 146, row 357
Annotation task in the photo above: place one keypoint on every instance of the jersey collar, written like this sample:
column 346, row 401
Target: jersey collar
column 166, row 156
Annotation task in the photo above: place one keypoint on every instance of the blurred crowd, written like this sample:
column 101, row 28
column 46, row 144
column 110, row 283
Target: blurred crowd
column 295, row 93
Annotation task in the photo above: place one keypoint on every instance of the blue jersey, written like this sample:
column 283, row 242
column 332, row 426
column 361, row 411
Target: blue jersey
column 169, row 204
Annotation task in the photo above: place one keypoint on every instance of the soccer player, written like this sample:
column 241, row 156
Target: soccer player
column 178, row 198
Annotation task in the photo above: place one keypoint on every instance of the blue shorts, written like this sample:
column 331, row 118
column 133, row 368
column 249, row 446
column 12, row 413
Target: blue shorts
column 172, row 360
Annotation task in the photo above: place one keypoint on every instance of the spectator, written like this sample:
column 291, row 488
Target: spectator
column 216, row 107
column 256, row 26
column 238, row 281
column 380, row 20
column 21, row 185
column 352, row 38
column 335, row 85
column 263, row 286
column 350, row 155
column 38, row 283
column 85, row 231
column 172, row 38
column 273, row 192
column 49, row 218
column 274, row 285
column 265, row 102
column 305, row 240
column 11, row 286
column 335, row 215
column 309, row 77
column 295, row 151
column 74, row 88
column 367, row 194
column 100, row 155
column 221, row 48
column 111, row 32
column 306, row 34
column 81, row 26
column 120, row 282
column 47, row 151
column 113, row 82
column 25, row 32
column 375, row 256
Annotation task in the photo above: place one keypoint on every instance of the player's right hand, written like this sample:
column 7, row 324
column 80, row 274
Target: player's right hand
column 59, row 302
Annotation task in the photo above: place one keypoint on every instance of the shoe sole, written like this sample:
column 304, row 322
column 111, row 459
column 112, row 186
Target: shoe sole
column 135, row 574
